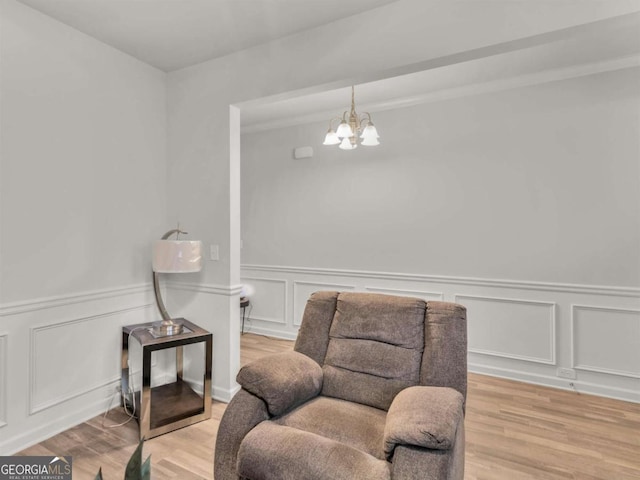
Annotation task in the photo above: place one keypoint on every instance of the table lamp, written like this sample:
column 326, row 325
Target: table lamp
column 173, row 256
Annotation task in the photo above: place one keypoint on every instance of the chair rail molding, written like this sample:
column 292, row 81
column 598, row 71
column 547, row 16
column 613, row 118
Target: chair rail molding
column 44, row 303
column 406, row 292
column 472, row 281
column 209, row 288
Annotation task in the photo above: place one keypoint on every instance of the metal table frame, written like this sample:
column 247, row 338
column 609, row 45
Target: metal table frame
column 170, row 396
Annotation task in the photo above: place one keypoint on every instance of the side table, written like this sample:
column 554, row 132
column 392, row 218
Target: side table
column 174, row 405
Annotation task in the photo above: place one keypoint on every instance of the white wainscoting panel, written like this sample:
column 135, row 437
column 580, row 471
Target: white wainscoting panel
column 302, row 290
column 55, row 347
column 3, row 379
column 64, row 356
column 517, row 329
column 407, row 293
column 606, row 340
column 269, row 301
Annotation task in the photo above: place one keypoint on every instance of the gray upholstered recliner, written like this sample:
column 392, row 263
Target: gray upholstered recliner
column 374, row 389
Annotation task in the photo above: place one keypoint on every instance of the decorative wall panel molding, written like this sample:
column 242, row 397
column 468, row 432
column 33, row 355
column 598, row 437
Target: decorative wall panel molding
column 3, row 379
column 407, row 293
column 605, row 340
column 302, row 290
column 54, row 347
column 269, row 302
column 510, row 328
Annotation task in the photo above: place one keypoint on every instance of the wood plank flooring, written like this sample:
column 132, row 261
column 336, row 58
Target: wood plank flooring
column 515, row 431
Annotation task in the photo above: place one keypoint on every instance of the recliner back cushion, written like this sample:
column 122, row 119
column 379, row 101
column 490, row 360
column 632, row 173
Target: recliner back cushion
column 375, row 348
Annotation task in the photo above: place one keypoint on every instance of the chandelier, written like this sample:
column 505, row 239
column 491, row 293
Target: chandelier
column 351, row 128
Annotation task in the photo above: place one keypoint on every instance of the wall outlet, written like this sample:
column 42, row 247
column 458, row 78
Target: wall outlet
column 128, row 400
column 568, row 373
column 214, row 253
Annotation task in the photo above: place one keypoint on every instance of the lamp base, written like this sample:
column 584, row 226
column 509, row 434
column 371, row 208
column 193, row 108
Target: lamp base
column 168, row 327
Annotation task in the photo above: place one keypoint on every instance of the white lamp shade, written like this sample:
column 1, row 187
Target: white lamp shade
column 177, row 256
column 344, row 130
column 331, row 138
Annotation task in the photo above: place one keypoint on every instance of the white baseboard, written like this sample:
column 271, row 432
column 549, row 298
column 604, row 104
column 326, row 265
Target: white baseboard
column 270, row 332
column 48, row 429
column 224, row 395
column 615, row 393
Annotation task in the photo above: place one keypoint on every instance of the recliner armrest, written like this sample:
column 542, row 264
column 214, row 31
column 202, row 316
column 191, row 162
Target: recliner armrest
column 283, row 380
column 424, row 417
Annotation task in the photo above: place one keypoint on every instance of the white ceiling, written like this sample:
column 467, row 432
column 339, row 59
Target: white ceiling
column 605, row 45
column 172, row 34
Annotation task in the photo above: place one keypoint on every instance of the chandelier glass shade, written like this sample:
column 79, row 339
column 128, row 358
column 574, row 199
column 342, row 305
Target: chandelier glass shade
column 351, row 129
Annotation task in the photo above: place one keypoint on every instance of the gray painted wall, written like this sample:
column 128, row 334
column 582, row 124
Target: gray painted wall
column 523, row 205
column 540, row 183
column 82, row 194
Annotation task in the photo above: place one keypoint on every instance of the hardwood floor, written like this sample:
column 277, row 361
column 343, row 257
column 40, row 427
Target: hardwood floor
column 520, row 431
column 515, row 431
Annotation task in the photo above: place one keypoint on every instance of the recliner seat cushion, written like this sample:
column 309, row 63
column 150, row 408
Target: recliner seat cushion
column 275, row 452
column 359, row 426
column 375, row 348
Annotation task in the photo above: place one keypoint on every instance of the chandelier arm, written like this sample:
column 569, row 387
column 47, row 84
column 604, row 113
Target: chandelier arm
column 177, row 231
column 331, row 122
column 365, row 119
